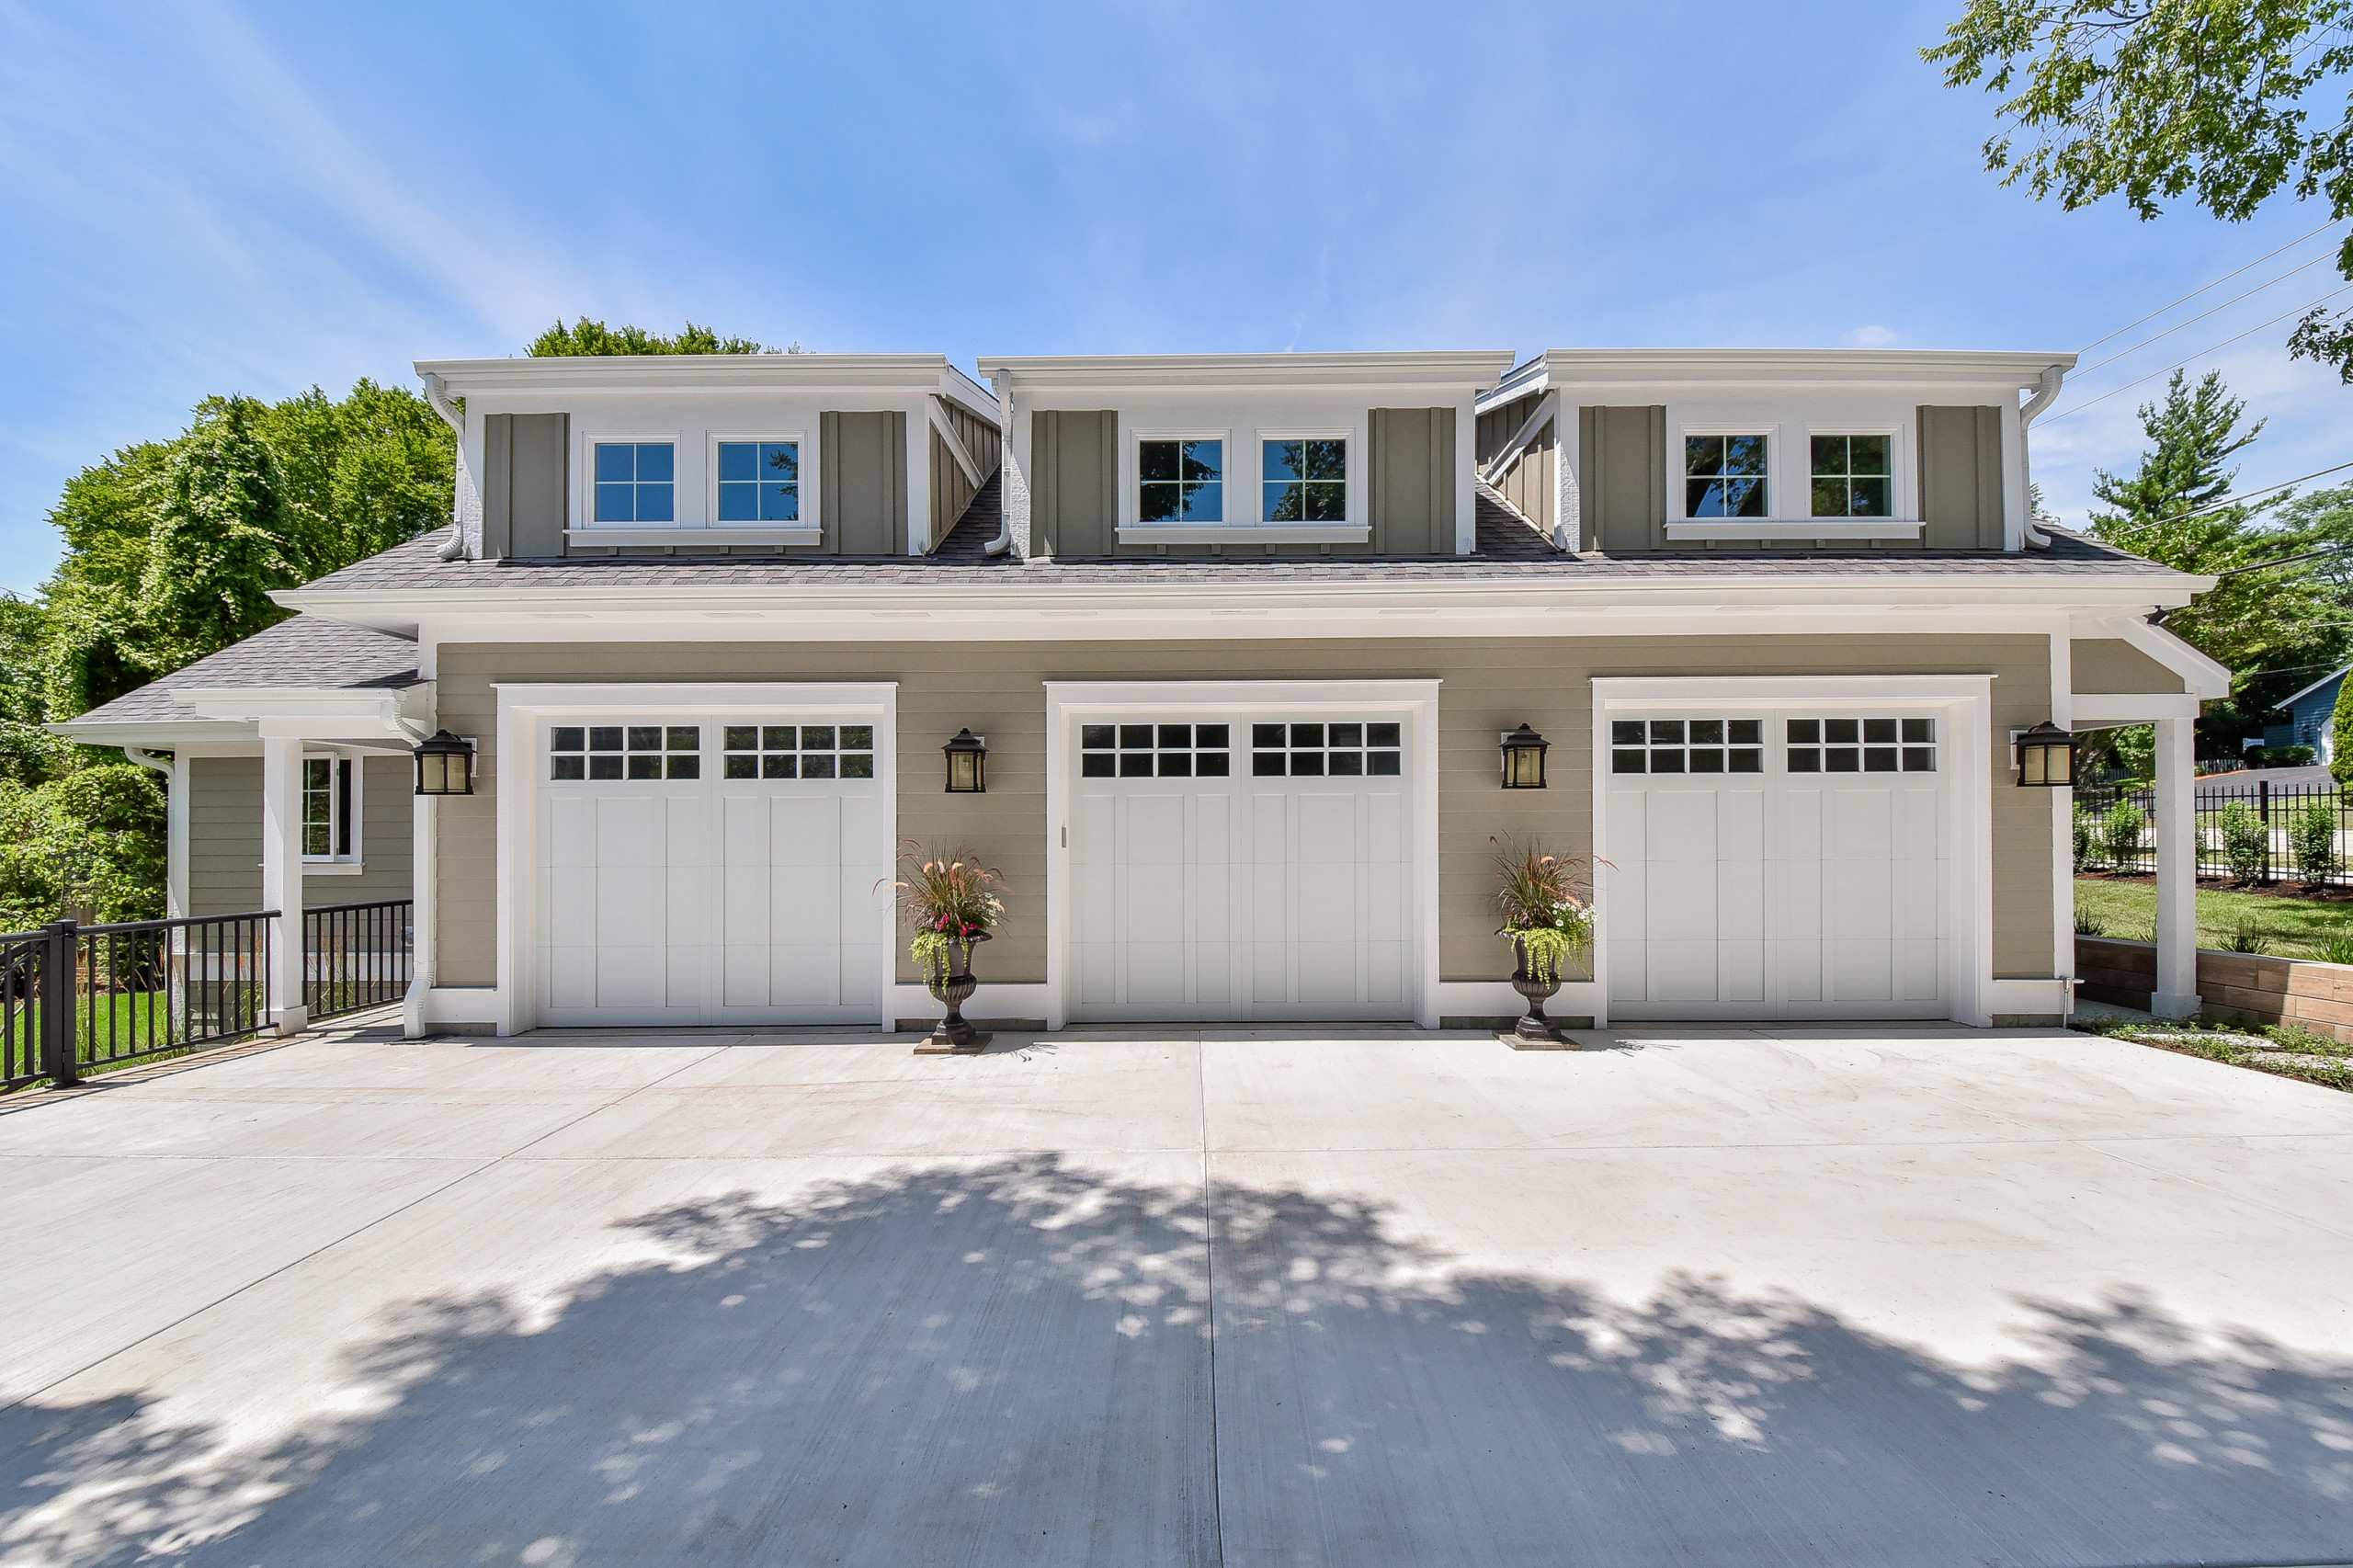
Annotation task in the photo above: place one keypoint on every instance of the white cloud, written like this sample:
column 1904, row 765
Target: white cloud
column 1869, row 338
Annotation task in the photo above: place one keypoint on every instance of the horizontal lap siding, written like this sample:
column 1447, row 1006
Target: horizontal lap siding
column 1491, row 684
column 224, row 837
column 2109, row 665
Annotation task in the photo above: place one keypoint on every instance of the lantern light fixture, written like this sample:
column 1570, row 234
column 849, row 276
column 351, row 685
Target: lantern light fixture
column 2046, row 758
column 445, row 765
column 1523, row 759
column 968, row 758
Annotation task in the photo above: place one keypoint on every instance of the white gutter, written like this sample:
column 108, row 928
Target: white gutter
column 146, row 758
column 2046, row 393
column 1003, row 541
column 437, row 392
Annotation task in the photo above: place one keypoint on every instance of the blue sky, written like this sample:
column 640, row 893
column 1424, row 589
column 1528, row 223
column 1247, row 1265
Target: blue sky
column 207, row 197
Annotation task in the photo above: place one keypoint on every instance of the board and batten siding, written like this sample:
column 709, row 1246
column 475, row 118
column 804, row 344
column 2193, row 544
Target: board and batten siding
column 1491, row 685
column 224, row 837
column 1409, row 480
column 1960, row 478
column 862, row 471
column 1074, row 481
column 525, row 468
column 1622, row 492
column 950, row 490
column 1528, row 484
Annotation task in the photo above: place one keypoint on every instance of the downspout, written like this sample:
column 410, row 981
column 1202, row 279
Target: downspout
column 438, row 395
column 2046, row 393
column 425, row 899
column 1003, row 541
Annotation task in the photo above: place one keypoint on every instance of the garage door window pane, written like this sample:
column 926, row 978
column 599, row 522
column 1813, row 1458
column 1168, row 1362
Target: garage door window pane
column 1154, row 751
column 1861, row 745
column 1341, row 749
column 799, row 751
column 1686, row 745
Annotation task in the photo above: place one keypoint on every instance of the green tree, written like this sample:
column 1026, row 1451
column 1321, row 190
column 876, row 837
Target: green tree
column 2340, row 756
column 221, row 538
column 2170, row 509
column 593, row 338
column 362, row 473
column 2227, row 102
column 90, row 840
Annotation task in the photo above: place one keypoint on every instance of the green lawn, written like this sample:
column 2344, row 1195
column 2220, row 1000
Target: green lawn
column 135, row 1019
column 2287, row 927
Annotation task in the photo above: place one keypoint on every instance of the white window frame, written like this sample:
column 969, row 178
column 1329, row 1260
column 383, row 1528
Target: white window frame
column 355, row 816
column 584, row 526
column 809, row 530
column 1132, row 529
column 1782, row 436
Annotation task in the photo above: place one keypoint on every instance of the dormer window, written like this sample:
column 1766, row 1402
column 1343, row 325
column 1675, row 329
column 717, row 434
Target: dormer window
column 759, row 481
column 637, row 482
column 1724, row 476
column 1306, row 481
column 1181, row 482
column 1853, row 476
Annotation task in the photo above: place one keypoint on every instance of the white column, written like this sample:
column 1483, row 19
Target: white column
column 920, row 522
column 424, row 879
column 1466, row 475
column 281, row 878
column 176, row 840
column 2177, row 992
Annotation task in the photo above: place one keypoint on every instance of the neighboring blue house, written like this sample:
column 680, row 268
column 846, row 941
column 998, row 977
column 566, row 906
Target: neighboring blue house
column 2310, row 713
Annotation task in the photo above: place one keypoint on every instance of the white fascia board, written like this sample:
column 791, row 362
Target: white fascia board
column 1565, row 367
column 2297, row 697
column 2209, row 678
column 1468, row 372
column 689, row 372
column 975, row 398
column 170, row 735
column 1522, row 380
column 317, row 714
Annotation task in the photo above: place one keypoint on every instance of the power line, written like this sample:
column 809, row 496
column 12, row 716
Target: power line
column 2225, row 278
column 2177, row 364
column 2200, row 316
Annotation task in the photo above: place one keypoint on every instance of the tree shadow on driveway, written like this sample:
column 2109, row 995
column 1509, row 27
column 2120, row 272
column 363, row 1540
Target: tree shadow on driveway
column 1012, row 1363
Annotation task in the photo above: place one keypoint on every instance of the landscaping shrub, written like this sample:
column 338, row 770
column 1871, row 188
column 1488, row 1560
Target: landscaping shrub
column 2247, row 936
column 2312, row 841
column 2086, row 837
column 2337, row 948
column 2121, row 833
column 2089, row 924
column 2246, row 842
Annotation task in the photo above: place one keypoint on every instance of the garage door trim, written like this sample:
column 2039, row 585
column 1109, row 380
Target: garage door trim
column 1967, row 701
column 513, row 767
column 1069, row 701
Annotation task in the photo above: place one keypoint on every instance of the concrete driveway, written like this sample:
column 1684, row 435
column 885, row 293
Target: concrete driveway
column 1707, row 1296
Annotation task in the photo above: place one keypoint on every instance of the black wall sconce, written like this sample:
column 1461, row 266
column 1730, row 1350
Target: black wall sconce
column 1523, row 755
column 444, row 765
column 967, row 762
column 2047, row 758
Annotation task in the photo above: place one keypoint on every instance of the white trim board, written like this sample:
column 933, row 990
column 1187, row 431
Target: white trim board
column 1968, row 699
column 1068, row 701
column 522, row 705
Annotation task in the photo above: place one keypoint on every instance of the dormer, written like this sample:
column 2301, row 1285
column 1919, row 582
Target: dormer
column 1620, row 450
column 767, row 454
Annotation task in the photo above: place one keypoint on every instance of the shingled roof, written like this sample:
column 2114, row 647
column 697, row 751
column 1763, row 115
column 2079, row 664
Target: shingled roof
column 307, row 651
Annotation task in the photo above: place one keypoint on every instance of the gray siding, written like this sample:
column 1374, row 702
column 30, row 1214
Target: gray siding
column 1491, row 684
column 224, row 837
column 1410, row 481
column 527, row 463
column 1528, row 484
column 1622, row 494
column 950, row 490
column 1960, row 478
column 2105, row 664
column 864, row 477
column 1075, row 499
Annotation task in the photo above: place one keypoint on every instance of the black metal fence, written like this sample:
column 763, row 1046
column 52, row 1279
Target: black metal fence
column 2248, row 832
column 356, row 956
column 73, row 998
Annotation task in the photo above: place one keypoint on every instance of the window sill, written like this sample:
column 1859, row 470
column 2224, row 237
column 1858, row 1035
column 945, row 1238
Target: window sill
column 332, row 868
column 1814, row 527
column 724, row 534
column 1245, row 533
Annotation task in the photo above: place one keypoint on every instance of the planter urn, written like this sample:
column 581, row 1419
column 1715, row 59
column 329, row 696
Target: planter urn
column 1533, row 1025
column 953, row 1036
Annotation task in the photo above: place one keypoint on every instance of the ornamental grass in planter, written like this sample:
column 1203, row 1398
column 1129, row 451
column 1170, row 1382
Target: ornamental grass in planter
column 949, row 900
column 1546, row 905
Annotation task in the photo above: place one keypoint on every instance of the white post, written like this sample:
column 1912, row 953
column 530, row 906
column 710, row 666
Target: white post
column 425, row 877
column 2177, row 992
column 1466, row 475
column 281, row 878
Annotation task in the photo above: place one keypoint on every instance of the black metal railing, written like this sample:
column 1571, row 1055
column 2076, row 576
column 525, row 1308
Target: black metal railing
column 2249, row 833
column 356, row 956
column 73, row 998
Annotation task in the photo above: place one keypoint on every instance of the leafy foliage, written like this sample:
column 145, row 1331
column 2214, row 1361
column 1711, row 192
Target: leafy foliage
column 2312, row 841
column 2226, row 102
column 88, row 842
column 593, row 338
column 2120, row 834
column 2340, row 756
column 2086, row 833
column 2245, row 840
column 946, row 897
column 1545, row 903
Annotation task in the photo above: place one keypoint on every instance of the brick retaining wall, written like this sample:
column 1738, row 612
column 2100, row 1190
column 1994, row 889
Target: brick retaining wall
column 2254, row 986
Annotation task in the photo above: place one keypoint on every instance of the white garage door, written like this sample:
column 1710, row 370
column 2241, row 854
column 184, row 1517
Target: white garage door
column 1780, row 864
column 711, row 874
column 1228, row 867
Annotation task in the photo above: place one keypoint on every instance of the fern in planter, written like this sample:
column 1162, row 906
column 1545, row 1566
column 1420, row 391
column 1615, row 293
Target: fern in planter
column 946, row 899
column 1545, row 904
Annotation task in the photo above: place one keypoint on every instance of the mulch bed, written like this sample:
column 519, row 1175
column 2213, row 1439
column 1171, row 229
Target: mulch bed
column 2329, row 894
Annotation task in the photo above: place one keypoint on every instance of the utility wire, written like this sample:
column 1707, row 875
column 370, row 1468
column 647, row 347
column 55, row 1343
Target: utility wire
column 2177, row 364
column 2218, row 282
column 2244, row 496
column 2192, row 321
